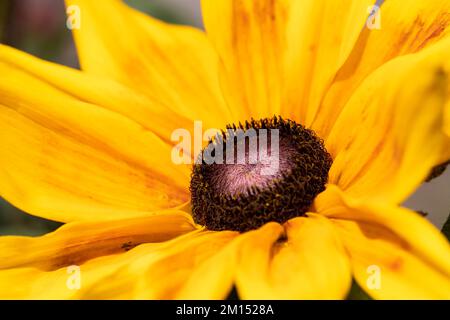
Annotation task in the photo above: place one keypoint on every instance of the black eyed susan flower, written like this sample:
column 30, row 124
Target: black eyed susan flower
column 363, row 116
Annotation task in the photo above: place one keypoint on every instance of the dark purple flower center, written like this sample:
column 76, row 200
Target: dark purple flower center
column 266, row 170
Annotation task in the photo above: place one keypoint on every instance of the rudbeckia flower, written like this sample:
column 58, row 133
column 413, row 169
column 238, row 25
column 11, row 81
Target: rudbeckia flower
column 363, row 115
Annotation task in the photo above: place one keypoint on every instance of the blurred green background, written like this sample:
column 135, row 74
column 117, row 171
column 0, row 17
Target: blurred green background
column 38, row 27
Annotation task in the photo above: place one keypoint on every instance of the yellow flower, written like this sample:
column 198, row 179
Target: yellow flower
column 92, row 149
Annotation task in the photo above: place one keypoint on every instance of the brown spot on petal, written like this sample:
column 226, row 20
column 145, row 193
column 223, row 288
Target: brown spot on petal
column 434, row 32
column 420, row 34
column 396, row 265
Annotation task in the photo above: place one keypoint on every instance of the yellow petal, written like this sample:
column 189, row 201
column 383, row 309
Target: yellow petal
column 250, row 38
column 174, row 63
column 279, row 56
column 403, row 30
column 171, row 270
column 391, row 132
column 77, row 242
column 395, row 253
column 153, row 270
column 200, row 269
column 68, row 282
column 71, row 262
column 311, row 264
column 321, row 35
column 65, row 159
column 152, row 113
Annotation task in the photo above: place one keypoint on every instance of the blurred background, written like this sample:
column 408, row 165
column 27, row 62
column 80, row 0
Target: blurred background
column 38, row 27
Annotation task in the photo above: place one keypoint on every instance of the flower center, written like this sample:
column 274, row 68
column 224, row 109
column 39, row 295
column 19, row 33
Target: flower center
column 262, row 171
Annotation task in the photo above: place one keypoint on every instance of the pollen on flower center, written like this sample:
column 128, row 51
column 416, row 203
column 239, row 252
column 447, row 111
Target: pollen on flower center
column 262, row 171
